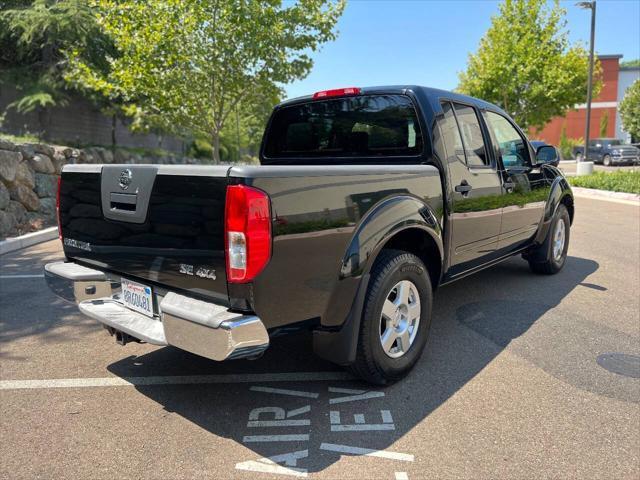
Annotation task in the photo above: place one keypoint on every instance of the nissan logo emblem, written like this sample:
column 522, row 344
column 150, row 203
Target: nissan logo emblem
column 125, row 179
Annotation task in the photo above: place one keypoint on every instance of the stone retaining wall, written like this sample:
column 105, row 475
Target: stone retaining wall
column 29, row 180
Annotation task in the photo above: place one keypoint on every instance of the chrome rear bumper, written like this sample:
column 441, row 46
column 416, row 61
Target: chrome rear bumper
column 193, row 325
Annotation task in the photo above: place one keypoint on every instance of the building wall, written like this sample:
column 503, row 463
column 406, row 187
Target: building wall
column 627, row 76
column 77, row 123
column 604, row 104
column 575, row 123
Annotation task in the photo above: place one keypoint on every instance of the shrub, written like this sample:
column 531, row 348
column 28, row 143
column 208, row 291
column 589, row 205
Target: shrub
column 201, row 148
column 567, row 144
column 620, row 181
column 604, row 124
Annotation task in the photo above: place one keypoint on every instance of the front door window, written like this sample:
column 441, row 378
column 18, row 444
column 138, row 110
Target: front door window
column 513, row 148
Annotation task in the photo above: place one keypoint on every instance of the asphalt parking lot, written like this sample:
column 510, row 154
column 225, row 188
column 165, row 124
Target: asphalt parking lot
column 517, row 381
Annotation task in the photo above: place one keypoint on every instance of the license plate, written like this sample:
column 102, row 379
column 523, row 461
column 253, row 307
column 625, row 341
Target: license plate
column 137, row 297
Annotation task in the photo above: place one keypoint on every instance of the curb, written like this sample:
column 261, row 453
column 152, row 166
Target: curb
column 630, row 198
column 27, row 240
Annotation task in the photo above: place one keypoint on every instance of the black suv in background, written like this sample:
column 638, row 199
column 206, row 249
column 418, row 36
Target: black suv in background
column 609, row 151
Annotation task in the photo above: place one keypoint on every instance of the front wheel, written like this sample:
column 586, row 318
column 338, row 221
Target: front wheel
column 396, row 318
column 606, row 160
column 549, row 257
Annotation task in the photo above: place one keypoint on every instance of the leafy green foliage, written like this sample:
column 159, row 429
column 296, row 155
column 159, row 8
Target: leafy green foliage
column 566, row 144
column 189, row 64
column 631, row 63
column 620, row 181
column 630, row 110
column 34, row 36
column 200, row 148
column 526, row 65
column 19, row 138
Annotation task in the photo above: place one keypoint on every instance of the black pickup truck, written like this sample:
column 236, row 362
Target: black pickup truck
column 365, row 202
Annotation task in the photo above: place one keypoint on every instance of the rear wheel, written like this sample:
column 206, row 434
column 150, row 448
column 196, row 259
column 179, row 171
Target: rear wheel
column 606, row 160
column 551, row 255
column 396, row 318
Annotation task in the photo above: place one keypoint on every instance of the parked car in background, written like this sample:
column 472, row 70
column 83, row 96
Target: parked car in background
column 536, row 144
column 609, row 151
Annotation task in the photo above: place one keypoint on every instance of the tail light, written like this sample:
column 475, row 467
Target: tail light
column 247, row 232
column 58, row 207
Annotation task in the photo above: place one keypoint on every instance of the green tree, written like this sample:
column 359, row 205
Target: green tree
column 34, row 36
column 526, row 65
column 241, row 136
column 630, row 110
column 190, row 63
column 631, row 63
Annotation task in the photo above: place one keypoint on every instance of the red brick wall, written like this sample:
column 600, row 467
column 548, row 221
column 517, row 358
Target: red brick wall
column 609, row 92
column 575, row 120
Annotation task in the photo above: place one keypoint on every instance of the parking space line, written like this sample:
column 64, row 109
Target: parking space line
column 278, row 423
column 281, row 391
column 345, row 390
column 6, row 277
column 331, row 447
column 362, row 395
column 173, row 380
column 301, row 437
column 402, row 476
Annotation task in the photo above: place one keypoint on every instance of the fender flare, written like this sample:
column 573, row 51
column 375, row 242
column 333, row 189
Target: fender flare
column 559, row 190
column 338, row 342
column 374, row 231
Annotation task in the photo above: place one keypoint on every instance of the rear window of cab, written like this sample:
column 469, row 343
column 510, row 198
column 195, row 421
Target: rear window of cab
column 356, row 126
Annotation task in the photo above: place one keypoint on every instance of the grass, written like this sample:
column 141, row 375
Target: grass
column 20, row 138
column 143, row 151
column 621, row 181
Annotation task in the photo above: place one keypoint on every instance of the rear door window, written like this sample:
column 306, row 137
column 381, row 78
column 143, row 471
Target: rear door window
column 472, row 136
column 451, row 134
column 359, row 126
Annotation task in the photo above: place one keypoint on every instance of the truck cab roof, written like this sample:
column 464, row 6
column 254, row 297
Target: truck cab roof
column 432, row 95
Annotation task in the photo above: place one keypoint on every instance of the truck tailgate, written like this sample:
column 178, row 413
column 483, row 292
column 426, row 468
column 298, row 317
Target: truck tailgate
column 160, row 225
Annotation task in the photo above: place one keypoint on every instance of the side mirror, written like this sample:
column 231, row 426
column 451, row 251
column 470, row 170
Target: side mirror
column 547, row 155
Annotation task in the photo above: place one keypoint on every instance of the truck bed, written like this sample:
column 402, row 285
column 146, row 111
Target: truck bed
column 315, row 210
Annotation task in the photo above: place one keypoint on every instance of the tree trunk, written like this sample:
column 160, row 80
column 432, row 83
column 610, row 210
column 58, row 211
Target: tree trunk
column 215, row 137
column 238, row 132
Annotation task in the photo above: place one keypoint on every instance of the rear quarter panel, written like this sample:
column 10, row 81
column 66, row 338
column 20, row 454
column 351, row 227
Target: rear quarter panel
column 316, row 211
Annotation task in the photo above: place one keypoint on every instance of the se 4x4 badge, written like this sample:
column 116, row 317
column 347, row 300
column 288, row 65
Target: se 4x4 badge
column 201, row 272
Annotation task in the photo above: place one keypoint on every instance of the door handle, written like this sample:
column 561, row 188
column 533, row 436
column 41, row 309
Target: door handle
column 464, row 188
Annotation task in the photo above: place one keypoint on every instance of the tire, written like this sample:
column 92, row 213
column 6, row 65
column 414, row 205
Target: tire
column 549, row 257
column 578, row 157
column 606, row 160
column 394, row 271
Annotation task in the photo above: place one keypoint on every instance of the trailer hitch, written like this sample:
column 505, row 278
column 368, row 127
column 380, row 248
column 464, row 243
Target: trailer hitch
column 121, row 337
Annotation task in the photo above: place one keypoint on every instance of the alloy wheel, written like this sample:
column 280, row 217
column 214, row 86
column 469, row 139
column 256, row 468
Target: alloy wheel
column 400, row 319
column 558, row 240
